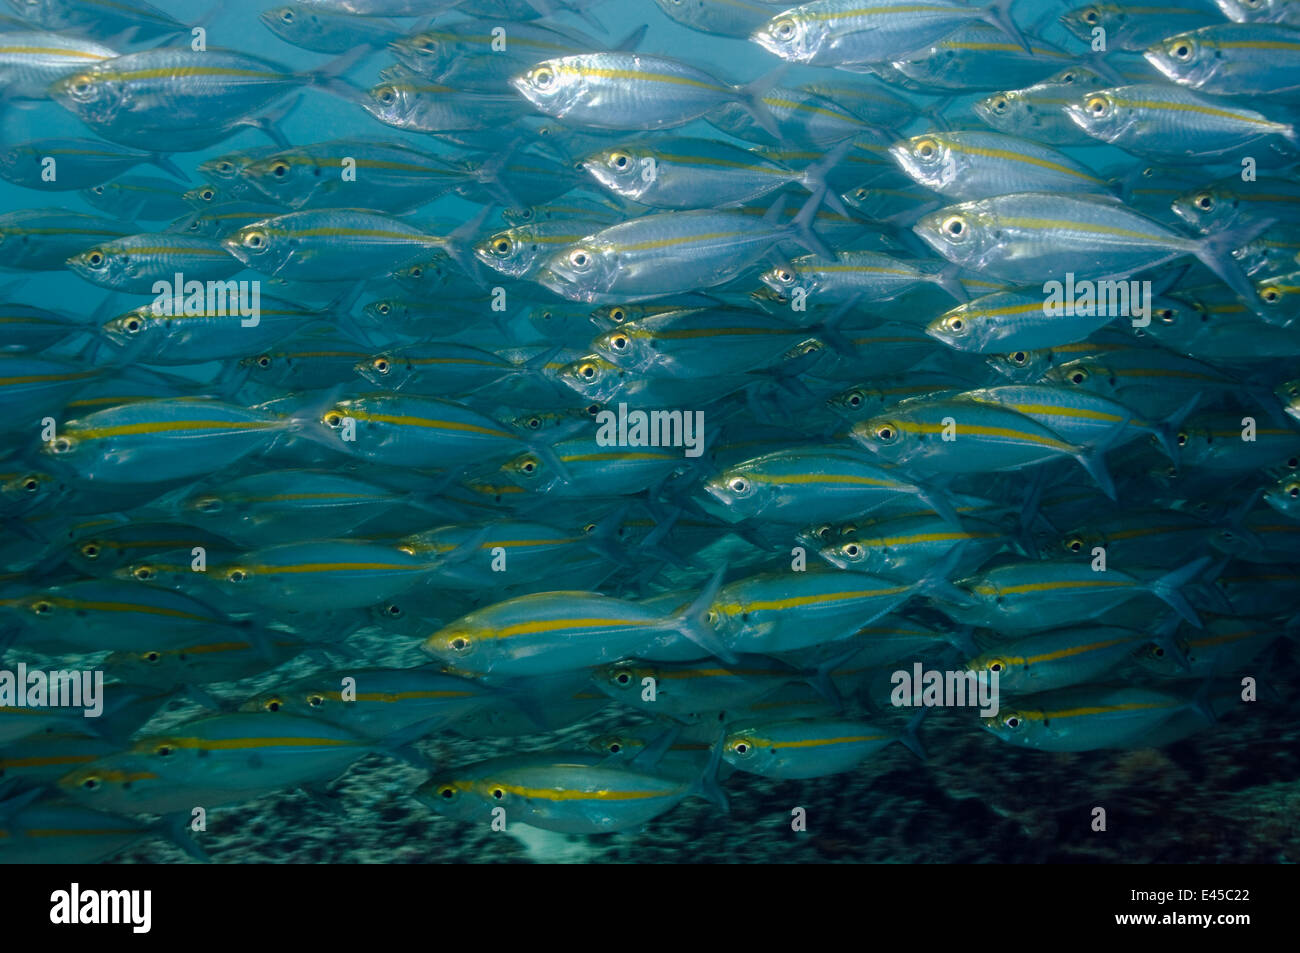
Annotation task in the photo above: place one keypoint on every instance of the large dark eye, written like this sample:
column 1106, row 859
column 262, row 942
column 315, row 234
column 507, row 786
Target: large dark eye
column 447, row 793
column 623, row 678
column 498, row 793
column 280, row 169
column 95, row 259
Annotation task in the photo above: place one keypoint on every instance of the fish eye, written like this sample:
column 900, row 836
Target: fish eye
column 1292, row 490
column 95, row 259
column 1090, row 16
column 783, row 29
column 543, row 77
column 579, row 259
column 623, row 678
column 1204, row 201
column 382, row 307
column 1182, row 50
column 415, row 271
column 956, row 325
column 132, row 325
column 526, row 214
column 97, row 189
column 333, row 420
column 954, row 226
column 861, row 194
column 533, row 423
column 254, row 239
column 887, row 433
column 501, row 246
column 528, row 465
column 460, row 643
column 593, row 410
column 1074, row 544
column 386, row 95
column 90, row 783
column 618, row 314
column 163, row 750
column 394, row 610
column 207, row 194
column 208, row 504
column 315, row 701
column 1271, row 295
column 286, row 16
column 263, row 360
column 61, row 445
column 852, row 550
column 588, row 371
column 855, row 399
column 996, row 665
column 784, row 276
column 1098, row 106
column 151, row 656
column 618, row 343
column 620, row 160
column 236, row 575
column 90, row 550
column 42, row 607
column 1166, row 315
column 498, row 793
column 143, row 573
column 1067, row 78
column 1080, row 376
column 31, row 485
column 381, row 365
column 926, row 148
column 1012, row 721
column 280, row 169
column 999, row 104
column 742, row 746
column 739, row 485
column 1182, row 439
column 273, row 704
column 447, row 793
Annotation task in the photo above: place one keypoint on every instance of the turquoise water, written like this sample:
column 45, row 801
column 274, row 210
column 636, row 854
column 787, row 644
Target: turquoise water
column 1204, row 771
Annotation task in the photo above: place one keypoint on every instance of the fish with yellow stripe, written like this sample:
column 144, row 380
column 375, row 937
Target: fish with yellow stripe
column 1027, row 596
column 1088, row 718
column 1059, row 658
column 810, row 747
column 217, row 760
column 376, row 702
column 550, row 632
column 572, row 793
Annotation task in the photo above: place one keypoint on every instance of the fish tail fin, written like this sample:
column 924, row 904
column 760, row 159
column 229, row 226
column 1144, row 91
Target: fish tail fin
column 693, row 621
column 330, row 76
column 174, row 828
column 164, row 162
column 1215, row 252
column 1169, row 588
column 632, row 40
column 948, row 278
column 814, row 177
column 937, row 579
column 751, row 94
column 910, row 739
column 707, row 784
column 998, row 14
column 802, row 226
column 1164, row 430
column 1094, row 461
column 938, row 501
column 269, row 122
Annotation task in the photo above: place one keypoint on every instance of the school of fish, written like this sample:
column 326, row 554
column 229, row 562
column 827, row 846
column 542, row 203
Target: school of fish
column 589, row 381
